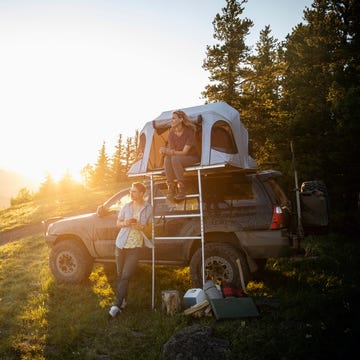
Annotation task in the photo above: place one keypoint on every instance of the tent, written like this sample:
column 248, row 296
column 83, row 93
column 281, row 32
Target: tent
column 221, row 137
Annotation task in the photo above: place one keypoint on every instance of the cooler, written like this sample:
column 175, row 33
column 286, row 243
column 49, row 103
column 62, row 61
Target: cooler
column 193, row 297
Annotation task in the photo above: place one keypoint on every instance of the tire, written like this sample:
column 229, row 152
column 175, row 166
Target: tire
column 220, row 264
column 70, row 262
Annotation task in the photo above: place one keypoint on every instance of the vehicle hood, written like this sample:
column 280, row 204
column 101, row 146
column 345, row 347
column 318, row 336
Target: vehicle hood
column 68, row 223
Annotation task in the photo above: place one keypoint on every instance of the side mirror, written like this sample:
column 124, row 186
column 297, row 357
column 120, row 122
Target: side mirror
column 101, row 211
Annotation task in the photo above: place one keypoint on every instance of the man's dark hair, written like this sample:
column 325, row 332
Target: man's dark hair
column 139, row 186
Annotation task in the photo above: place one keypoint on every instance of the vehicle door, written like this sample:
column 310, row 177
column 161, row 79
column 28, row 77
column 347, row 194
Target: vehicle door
column 105, row 229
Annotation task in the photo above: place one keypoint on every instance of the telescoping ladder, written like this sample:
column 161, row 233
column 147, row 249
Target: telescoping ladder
column 153, row 175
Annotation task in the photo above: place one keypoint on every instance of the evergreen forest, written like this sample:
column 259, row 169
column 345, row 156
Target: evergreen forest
column 303, row 91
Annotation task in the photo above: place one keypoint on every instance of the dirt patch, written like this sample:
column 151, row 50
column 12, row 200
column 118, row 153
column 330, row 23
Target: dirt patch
column 18, row 233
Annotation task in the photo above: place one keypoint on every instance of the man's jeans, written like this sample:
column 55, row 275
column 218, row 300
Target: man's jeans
column 126, row 262
column 174, row 166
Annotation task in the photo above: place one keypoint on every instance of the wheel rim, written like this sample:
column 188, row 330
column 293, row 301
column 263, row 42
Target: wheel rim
column 217, row 268
column 66, row 263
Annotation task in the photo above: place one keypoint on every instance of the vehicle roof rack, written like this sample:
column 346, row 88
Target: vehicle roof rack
column 205, row 169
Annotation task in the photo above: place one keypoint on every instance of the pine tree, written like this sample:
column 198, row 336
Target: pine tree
column 87, row 173
column 260, row 98
column 67, row 184
column 321, row 95
column 226, row 60
column 101, row 171
column 130, row 151
column 48, row 188
column 23, row 196
column 117, row 166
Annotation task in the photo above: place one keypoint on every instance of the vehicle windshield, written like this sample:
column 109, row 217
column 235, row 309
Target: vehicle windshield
column 119, row 203
column 116, row 202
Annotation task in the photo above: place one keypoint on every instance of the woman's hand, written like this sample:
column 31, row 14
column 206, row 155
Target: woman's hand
column 163, row 150
column 133, row 224
column 126, row 222
column 166, row 151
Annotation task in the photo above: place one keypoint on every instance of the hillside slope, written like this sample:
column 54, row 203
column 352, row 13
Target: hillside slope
column 10, row 184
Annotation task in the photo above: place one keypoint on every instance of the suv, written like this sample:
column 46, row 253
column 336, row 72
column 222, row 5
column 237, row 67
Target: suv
column 246, row 216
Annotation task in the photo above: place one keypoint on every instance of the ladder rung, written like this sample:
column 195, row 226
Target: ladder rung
column 177, row 216
column 177, row 237
column 187, row 196
column 205, row 167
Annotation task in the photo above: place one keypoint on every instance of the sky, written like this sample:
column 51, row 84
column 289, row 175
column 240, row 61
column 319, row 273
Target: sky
column 75, row 74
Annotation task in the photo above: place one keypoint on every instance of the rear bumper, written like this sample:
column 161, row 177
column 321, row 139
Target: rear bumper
column 265, row 244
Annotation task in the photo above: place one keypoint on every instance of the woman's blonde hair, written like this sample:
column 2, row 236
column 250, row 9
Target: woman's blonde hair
column 185, row 119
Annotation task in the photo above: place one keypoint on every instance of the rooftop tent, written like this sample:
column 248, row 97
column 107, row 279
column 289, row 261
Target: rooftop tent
column 221, row 138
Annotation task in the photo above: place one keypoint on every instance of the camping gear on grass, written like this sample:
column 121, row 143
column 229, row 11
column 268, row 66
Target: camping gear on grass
column 170, row 302
column 233, row 307
column 193, row 297
column 211, row 290
column 199, row 310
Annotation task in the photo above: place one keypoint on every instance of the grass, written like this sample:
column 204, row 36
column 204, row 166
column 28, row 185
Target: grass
column 313, row 317
column 308, row 309
column 43, row 319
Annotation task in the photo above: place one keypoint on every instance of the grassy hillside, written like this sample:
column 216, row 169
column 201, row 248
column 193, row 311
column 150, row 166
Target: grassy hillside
column 83, row 200
column 308, row 309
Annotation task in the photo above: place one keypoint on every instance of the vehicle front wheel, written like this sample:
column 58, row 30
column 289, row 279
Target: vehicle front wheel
column 220, row 264
column 70, row 262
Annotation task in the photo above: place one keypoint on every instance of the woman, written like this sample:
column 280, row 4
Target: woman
column 133, row 219
column 180, row 153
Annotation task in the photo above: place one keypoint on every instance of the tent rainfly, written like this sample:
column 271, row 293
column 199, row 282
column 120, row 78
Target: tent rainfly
column 221, row 137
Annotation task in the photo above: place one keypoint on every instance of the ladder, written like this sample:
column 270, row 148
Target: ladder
column 153, row 175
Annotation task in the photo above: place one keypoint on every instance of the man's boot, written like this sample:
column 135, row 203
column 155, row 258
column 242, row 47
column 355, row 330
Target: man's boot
column 171, row 190
column 181, row 192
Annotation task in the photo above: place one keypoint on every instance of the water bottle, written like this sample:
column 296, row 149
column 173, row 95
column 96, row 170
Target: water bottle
column 211, row 291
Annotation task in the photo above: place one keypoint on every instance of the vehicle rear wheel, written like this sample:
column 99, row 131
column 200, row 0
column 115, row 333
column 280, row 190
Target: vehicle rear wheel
column 220, row 264
column 70, row 262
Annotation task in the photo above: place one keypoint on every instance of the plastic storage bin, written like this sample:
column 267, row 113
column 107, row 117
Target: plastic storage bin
column 193, row 297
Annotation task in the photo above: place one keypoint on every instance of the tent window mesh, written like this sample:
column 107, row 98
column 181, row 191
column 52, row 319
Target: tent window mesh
column 222, row 138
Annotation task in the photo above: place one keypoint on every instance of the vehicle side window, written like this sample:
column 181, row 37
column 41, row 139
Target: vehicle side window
column 164, row 206
column 228, row 192
column 238, row 192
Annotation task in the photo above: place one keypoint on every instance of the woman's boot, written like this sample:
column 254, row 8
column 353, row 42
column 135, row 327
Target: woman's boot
column 181, row 192
column 171, row 190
